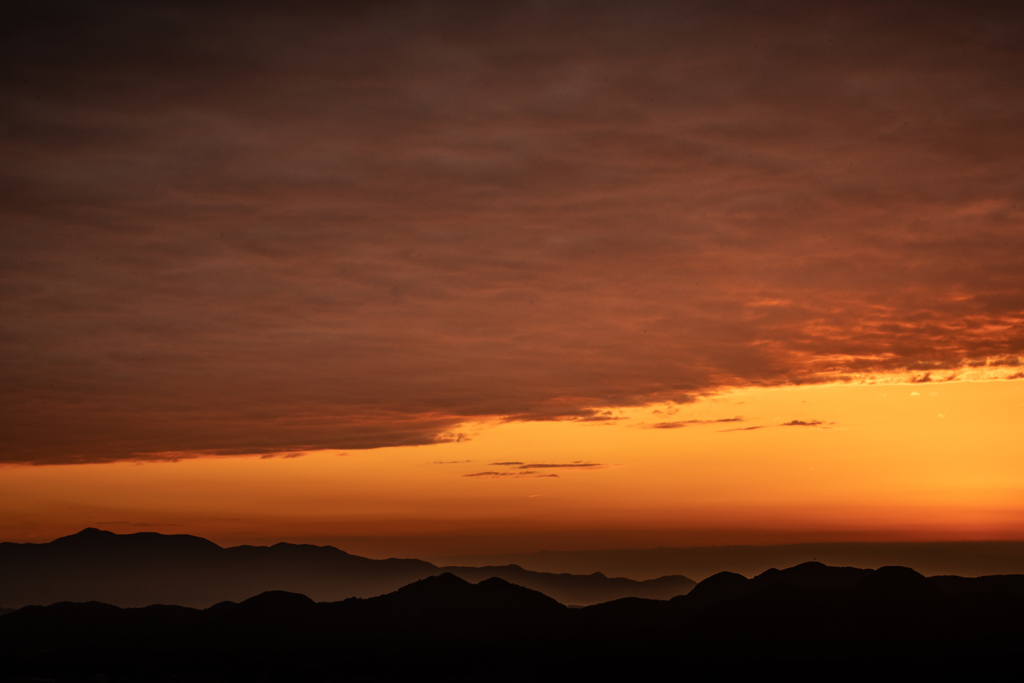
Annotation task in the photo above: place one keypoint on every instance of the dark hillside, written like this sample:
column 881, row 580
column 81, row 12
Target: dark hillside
column 801, row 623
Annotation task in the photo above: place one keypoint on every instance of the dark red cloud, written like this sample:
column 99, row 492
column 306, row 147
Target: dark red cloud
column 500, row 475
column 791, row 423
column 249, row 228
column 564, row 465
column 678, row 424
column 520, row 469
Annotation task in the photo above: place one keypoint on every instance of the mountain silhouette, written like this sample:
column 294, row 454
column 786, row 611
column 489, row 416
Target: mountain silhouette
column 579, row 589
column 145, row 568
column 134, row 570
column 898, row 585
column 718, row 587
column 807, row 621
column 814, row 575
column 449, row 592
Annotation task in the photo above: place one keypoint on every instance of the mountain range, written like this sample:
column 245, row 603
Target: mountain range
column 135, row 570
column 807, row 621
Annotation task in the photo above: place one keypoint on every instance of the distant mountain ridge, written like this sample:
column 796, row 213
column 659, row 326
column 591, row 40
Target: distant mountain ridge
column 135, row 570
column 807, row 621
column 960, row 558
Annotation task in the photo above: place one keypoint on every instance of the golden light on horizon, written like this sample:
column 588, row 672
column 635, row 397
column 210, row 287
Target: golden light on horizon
column 883, row 461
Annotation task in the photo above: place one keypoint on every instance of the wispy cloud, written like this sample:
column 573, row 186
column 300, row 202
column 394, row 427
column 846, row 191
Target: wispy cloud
column 520, row 469
column 561, row 465
column 497, row 475
column 685, row 423
column 791, row 423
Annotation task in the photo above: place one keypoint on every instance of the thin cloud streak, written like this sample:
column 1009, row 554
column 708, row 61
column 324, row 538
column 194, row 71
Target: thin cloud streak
column 791, row 423
column 520, row 469
column 246, row 230
column 567, row 465
column 678, row 424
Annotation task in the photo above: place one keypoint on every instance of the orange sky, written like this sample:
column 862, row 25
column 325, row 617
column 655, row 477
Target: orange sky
column 934, row 461
column 435, row 232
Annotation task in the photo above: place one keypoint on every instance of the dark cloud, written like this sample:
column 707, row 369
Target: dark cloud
column 498, row 475
column 667, row 425
column 523, row 470
column 252, row 229
column 560, row 414
column 567, row 465
column 283, row 454
column 520, row 466
column 791, row 423
column 683, row 423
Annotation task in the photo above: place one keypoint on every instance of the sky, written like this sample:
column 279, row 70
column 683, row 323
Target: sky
column 452, row 277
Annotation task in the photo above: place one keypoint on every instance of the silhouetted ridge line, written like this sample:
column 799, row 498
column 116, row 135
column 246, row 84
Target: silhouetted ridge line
column 579, row 589
column 885, row 624
column 898, row 584
column 95, row 539
column 720, row 586
column 147, row 567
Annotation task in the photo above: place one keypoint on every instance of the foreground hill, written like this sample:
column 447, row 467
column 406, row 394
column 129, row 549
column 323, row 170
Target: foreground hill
column 809, row 621
column 134, row 570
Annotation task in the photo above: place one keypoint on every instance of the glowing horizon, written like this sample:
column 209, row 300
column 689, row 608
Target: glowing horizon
column 842, row 462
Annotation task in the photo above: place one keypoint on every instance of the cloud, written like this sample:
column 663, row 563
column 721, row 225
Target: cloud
column 556, row 413
column 683, row 423
column 509, row 475
column 791, row 423
column 354, row 226
column 578, row 464
column 566, row 465
column 529, row 470
column 496, row 475
column 450, row 462
column 284, row 454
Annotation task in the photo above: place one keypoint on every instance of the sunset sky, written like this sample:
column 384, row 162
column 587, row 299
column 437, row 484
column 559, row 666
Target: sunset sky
column 416, row 278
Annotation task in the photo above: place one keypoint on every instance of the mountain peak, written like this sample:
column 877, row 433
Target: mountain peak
column 87, row 534
column 899, row 584
column 93, row 531
column 277, row 600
